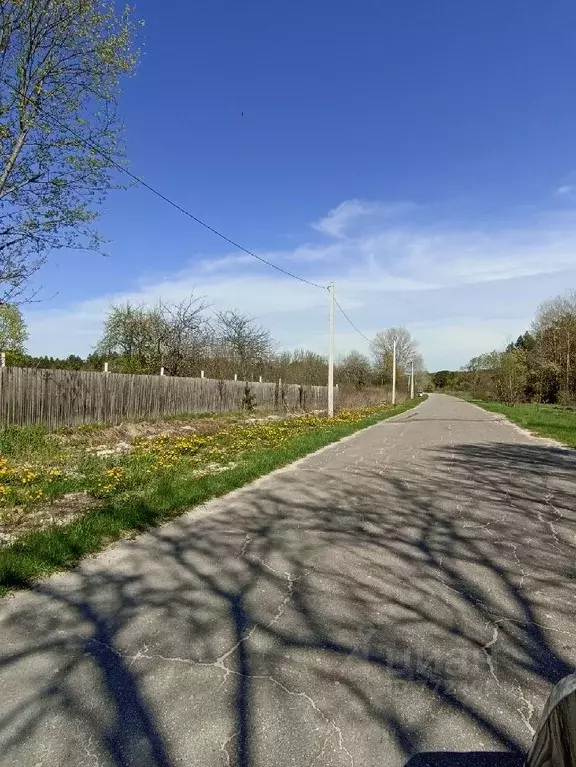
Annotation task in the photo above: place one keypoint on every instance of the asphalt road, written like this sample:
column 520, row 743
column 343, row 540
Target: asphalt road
column 407, row 591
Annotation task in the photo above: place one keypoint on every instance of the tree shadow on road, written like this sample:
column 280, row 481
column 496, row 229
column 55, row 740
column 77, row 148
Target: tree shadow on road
column 465, row 759
column 368, row 619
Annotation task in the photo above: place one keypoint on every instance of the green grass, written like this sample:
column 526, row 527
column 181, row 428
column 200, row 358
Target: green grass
column 166, row 495
column 24, row 441
column 544, row 420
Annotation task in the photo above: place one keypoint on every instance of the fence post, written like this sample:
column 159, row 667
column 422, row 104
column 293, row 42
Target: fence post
column 105, row 367
column 3, row 360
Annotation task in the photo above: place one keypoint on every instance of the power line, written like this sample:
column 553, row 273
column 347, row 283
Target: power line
column 350, row 321
column 164, row 197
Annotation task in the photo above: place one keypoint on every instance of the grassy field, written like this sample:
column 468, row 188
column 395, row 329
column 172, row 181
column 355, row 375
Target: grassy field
column 544, row 420
column 63, row 496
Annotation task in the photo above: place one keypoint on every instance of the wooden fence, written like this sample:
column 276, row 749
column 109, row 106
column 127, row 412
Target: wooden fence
column 57, row 398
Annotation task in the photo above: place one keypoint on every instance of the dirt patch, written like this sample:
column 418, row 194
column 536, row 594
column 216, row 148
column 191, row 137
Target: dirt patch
column 115, row 440
column 124, row 434
column 213, row 468
column 17, row 521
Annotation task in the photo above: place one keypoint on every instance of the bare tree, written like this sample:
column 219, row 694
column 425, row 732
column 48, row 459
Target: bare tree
column 244, row 344
column 128, row 334
column 182, row 336
column 422, row 379
column 175, row 337
column 382, row 350
column 354, row 369
column 300, row 366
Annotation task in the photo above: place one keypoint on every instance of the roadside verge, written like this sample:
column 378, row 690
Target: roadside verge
column 551, row 422
column 167, row 493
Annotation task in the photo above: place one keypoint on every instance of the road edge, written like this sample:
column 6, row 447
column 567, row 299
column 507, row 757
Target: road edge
column 548, row 441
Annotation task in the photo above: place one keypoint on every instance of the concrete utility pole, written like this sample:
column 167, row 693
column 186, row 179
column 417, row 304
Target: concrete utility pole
column 412, row 380
column 394, row 373
column 331, row 354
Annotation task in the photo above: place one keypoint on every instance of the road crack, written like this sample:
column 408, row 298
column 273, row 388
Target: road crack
column 527, row 714
column 487, row 650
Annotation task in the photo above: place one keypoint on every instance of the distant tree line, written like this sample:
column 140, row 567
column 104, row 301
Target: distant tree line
column 540, row 366
column 185, row 338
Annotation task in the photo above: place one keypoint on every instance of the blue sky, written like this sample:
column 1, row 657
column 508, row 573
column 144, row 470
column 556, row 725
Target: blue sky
column 420, row 153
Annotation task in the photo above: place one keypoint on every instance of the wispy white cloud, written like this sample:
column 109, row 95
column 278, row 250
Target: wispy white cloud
column 343, row 220
column 462, row 289
column 567, row 190
column 223, row 263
